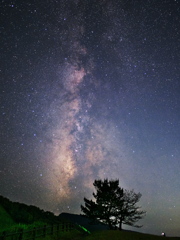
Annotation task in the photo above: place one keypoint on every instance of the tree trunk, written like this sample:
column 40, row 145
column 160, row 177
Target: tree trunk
column 109, row 223
column 120, row 225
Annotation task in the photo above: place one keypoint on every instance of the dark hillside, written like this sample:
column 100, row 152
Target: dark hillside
column 5, row 218
column 22, row 213
column 83, row 221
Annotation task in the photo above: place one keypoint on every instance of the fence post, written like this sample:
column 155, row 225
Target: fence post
column 44, row 231
column 52, row 230
column 34, row 233
column 67, row 227
column 57, row 229
column 3, row 235
column 21, row 234
column 63, row 227
column 72, row 226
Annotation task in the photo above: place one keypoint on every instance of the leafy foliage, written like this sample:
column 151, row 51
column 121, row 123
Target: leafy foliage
column 114, row 205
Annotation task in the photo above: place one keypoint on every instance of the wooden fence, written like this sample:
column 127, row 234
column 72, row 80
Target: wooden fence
column 37, row 232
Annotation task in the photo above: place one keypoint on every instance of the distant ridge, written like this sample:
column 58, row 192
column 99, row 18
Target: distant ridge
column 83, row 221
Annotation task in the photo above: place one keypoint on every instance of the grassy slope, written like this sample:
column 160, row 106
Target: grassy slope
column 124, row 235
column 5, row 220
column 107, row 235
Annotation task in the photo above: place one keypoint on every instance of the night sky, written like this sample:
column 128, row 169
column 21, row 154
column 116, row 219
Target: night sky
column 90, row 89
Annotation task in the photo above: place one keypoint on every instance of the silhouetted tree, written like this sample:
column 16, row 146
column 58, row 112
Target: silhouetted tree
column 113, row 205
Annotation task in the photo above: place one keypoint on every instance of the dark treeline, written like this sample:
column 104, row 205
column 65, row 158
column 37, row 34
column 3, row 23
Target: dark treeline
column 22, row 213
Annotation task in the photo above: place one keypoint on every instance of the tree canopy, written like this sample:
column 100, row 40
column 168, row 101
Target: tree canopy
column 113, row 205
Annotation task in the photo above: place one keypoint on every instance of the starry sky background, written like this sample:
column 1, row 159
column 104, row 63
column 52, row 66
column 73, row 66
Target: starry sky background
column 90, row 89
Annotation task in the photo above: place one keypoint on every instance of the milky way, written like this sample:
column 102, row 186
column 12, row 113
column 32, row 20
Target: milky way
column 83, row 147
column 89, row 90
